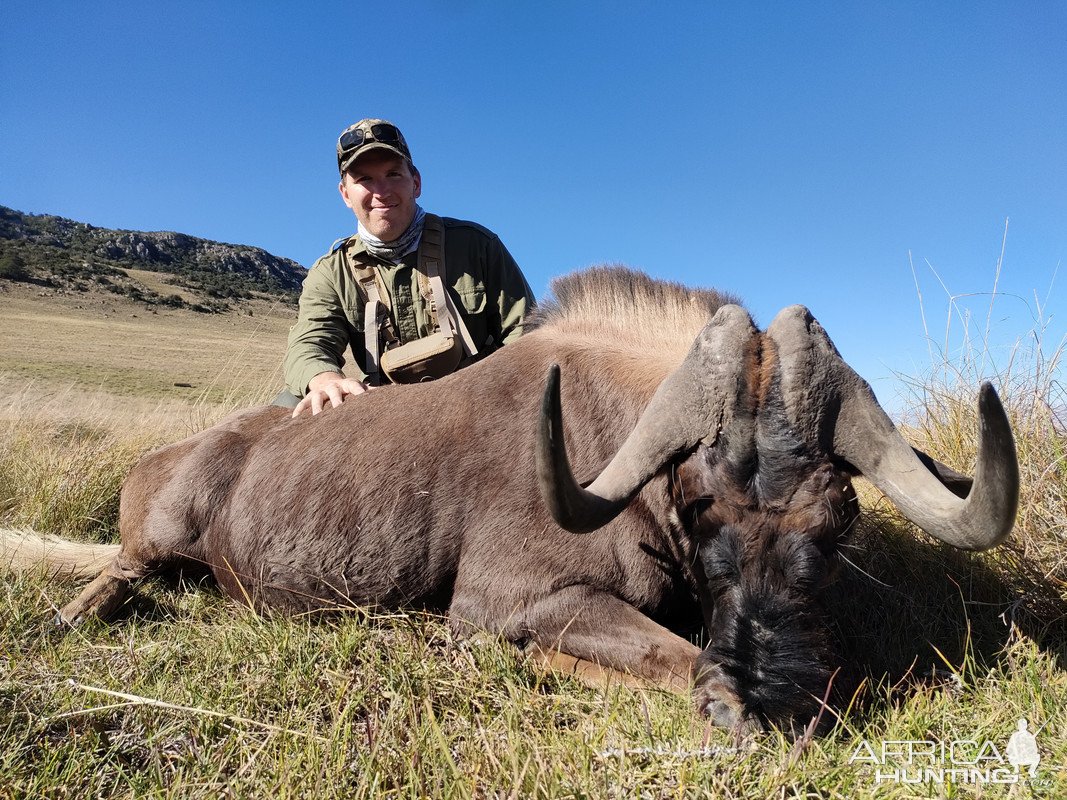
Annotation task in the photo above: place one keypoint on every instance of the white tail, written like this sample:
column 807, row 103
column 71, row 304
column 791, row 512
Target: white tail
column 24, row 551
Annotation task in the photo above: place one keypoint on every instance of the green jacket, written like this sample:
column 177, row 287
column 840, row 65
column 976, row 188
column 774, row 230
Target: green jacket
column 486, row 283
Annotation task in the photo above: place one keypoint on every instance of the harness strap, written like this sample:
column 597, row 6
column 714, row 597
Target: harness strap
column 444, row 314
column 372, row 311
column 443, row 311
column 376, row 319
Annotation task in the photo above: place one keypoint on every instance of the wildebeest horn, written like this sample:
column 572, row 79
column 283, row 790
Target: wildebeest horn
column 691, row 405
column 826, row 399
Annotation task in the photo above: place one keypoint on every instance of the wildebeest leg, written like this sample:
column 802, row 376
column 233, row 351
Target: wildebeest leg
column 603, row 630
column 104, row 595
column 164, row 504
column 593, row 675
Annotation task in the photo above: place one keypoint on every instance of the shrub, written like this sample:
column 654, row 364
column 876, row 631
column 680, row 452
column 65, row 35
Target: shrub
column 13, row 267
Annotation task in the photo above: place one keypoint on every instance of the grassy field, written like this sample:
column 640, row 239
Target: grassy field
column 192, row 695
column 98, row 341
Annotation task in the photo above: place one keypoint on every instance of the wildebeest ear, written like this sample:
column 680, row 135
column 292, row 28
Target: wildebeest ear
column 925, row 492
column 956, row 482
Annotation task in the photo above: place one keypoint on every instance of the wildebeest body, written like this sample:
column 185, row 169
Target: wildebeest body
column 376, row 503
column 722, row 459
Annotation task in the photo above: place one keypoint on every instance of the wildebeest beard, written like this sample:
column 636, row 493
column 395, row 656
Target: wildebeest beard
column 769, row 642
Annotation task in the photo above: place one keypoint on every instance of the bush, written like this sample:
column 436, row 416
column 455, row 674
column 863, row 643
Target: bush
column 173, row 301
column 13, row 267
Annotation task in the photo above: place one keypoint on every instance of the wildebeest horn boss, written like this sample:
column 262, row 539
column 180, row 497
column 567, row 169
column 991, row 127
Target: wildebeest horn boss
column 722, row 457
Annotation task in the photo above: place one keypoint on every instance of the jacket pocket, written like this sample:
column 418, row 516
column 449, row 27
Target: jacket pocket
column 472, row 298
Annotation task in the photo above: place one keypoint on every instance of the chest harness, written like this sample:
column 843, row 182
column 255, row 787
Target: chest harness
column 442, row 352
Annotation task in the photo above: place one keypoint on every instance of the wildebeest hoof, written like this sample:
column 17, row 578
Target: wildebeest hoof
column 100, row 598
column 63, row 623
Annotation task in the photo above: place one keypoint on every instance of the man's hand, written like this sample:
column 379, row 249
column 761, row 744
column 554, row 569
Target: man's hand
column 332, row 386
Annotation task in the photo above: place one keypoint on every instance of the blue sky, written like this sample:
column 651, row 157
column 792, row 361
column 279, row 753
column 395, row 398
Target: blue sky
column 790, row 153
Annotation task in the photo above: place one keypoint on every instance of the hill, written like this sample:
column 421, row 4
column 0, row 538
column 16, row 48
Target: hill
column 161, row 268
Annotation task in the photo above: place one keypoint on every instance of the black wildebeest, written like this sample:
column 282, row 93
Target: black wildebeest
column 723, row 459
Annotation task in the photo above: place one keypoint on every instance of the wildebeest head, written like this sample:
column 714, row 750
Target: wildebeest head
column 761, row 434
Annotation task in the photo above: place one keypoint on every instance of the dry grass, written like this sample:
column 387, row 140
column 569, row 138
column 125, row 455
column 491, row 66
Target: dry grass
column 115, row 346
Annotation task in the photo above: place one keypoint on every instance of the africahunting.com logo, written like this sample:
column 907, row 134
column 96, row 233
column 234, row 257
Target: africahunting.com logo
column 959, row 761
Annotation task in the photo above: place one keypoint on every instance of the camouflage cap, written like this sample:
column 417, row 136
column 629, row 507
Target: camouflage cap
column 366, row 135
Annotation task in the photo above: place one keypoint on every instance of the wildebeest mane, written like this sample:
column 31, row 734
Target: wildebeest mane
column 627, row 309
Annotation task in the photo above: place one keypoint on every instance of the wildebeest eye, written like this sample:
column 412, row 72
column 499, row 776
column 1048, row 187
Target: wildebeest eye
column 698, row 508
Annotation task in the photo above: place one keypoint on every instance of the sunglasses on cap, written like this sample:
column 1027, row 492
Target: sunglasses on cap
column 386, row 134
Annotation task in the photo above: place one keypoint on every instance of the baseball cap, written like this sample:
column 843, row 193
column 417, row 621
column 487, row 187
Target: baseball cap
column 366, row 135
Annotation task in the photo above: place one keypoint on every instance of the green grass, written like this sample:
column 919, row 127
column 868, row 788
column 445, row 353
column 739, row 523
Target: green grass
column 355, row 707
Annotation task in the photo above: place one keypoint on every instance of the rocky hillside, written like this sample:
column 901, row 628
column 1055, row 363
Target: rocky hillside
column 207, row 276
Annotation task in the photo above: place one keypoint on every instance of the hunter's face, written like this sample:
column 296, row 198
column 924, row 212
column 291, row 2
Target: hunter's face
column 381, row 188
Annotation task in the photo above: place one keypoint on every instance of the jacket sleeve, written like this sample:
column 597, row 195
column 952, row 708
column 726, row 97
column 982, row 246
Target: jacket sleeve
column 509, row 293
column 318, row 340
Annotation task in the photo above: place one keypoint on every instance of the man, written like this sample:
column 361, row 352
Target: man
column 381, row 271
